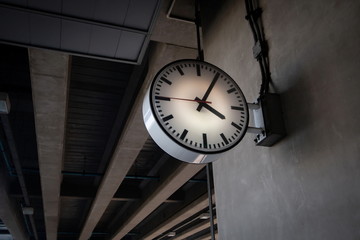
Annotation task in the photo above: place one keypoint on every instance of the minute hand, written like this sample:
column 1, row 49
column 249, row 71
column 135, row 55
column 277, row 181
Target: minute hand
column 207, row 93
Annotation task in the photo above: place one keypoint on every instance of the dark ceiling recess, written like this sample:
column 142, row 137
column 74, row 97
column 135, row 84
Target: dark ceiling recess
column 15, row 80
column 101, row 96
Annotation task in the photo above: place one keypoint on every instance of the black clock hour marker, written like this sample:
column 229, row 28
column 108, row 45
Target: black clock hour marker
column 167, row 118
column 224, row 138
column 198, row 72
column 237, row 126
column 205, row 140
column 231, row 90
column 237, row 108
column 165, row 80
column 180, row 70
column 183, row 135
column 162, row 98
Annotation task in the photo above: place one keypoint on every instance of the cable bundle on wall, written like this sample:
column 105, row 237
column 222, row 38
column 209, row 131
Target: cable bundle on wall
column 260, row 49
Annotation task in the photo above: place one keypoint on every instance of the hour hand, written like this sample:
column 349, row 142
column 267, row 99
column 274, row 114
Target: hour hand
column 211, row 109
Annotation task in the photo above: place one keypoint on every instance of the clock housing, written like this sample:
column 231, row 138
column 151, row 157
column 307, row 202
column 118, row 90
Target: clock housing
column 195, row 111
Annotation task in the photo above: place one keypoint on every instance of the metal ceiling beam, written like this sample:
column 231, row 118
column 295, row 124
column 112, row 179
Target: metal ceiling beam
column 125, row 153
column 127, row 196
column 193, row 230
column 49, row 82
column 172, row 183
column 208, row 237
column 196, row 206
column 10, row 213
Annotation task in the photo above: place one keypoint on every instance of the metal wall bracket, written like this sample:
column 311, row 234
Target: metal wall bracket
column 269, row 125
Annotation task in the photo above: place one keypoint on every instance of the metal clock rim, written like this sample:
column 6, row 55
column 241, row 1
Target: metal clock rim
column 173, row 138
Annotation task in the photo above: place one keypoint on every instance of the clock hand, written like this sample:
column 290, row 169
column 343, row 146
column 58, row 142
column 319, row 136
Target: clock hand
column 183, row 99
column 211, row 109
column 207, row 93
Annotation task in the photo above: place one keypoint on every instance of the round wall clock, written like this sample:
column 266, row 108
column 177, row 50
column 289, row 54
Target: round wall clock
column 195, row 111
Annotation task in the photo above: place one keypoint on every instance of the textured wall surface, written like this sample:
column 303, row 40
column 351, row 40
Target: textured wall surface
column 308, row 185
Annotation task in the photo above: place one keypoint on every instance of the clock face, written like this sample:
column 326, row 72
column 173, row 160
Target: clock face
column 199, row 106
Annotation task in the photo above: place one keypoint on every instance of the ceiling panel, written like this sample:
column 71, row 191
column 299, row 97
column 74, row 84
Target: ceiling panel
column 46, row 5
column 104, row 41
column 130, row 45
column 14, row 25
column 114, row 30
column 75, row 36
column 15, row 2
column 111, row 11
column 80, row 8
column 140, row 13
column 45, row 31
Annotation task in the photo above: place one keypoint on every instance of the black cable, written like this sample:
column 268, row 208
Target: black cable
column 248, row 17
column 255, row 14
column 260, row 50
column 198, row 31
column 263, row 77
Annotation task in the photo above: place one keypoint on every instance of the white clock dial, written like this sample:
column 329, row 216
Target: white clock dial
column 199, row 106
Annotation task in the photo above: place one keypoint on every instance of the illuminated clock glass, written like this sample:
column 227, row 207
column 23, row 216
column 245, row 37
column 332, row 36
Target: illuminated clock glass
column 197, row 108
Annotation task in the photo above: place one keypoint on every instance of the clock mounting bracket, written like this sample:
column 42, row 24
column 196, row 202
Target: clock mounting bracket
column 268, row 122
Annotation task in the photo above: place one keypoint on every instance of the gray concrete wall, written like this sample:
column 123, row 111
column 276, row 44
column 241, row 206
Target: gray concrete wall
column 308, row 185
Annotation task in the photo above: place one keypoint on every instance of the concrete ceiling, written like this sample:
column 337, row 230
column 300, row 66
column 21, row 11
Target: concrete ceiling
column 90, row 169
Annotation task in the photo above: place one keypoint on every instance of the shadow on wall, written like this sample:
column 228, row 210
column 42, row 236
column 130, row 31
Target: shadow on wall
column 211, row 8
